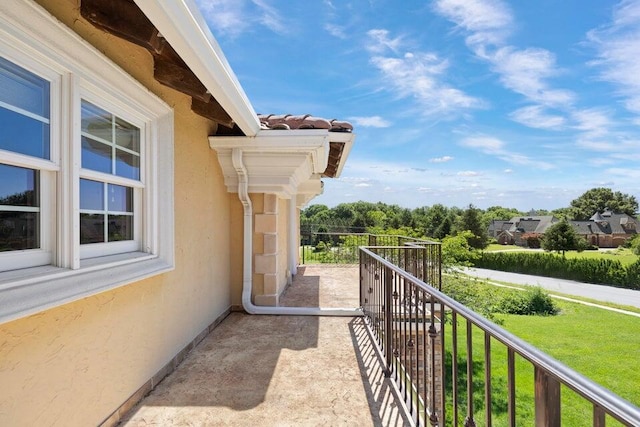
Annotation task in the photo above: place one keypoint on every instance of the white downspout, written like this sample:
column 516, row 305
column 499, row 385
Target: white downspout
column 293, row 237
column 247, row 259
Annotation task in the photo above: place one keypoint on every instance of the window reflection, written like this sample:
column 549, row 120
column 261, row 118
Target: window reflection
column 24, row 111
column 19, row 208
column 91, row 195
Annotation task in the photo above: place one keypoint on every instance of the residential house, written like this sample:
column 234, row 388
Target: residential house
column 499, row 230
column 141, row 200
column 607, row 229
column 520, row 229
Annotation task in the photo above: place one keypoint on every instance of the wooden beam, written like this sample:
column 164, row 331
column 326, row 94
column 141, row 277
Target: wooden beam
column 124, row 19
column 178, row 76
column 212, row 111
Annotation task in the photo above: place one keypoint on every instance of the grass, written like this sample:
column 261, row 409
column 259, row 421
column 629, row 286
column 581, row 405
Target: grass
column 624, row 255
column 589, row 300
column 600, row 344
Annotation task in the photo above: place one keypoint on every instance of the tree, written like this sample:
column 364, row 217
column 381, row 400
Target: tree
column 560, row 237
column 456, row 250
column 599, row 199
column 499, row 213
column 471, row 220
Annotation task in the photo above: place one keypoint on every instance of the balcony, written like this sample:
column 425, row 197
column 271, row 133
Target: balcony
column 392, row 366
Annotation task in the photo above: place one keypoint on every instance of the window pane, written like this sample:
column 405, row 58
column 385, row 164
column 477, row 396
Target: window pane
column 24, row 135
column 127, row 135
column 120, row 198
column 19, row 231
column 91, row 195
column 91, row 228
column 127, row 165
column 23, row 89
column 19, row 186
column 120, row 227
column 96, row 155
column 97, row 121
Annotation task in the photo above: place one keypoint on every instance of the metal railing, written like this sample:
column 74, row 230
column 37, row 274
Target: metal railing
column 428, row 341
column 342, row 248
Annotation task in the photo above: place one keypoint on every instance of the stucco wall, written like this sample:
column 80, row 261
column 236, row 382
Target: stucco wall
column 75, row 364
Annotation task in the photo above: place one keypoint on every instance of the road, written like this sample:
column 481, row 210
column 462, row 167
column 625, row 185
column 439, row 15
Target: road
column 568, row 287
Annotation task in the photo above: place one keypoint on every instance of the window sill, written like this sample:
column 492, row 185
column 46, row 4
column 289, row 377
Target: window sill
column 32, row 290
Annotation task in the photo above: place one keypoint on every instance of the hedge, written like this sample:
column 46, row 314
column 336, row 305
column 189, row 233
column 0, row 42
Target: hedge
column 600, row 271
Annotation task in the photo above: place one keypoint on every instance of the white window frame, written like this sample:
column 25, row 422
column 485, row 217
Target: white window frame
column 33, row 39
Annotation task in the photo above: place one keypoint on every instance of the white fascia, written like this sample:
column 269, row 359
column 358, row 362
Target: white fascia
column 277, row 161
column 183, row 26
column 347, row 138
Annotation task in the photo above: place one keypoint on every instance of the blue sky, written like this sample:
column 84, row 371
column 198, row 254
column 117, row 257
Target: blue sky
column 523, row 104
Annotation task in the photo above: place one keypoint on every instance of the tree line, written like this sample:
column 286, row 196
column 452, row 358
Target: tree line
column 439, row 221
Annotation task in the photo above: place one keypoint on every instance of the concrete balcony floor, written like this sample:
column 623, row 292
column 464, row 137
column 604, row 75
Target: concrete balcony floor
column 281, row 370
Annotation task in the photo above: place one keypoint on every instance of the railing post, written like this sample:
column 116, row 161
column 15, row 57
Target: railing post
column 547, row 396
column 388, row 321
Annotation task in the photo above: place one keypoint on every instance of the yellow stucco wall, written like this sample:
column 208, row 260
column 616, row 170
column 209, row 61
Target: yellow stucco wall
column 75, row 364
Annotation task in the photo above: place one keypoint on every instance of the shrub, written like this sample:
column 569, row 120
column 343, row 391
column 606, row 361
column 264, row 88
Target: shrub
column 531, row 302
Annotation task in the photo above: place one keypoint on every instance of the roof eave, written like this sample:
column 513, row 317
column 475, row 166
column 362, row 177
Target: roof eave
column 183, row 26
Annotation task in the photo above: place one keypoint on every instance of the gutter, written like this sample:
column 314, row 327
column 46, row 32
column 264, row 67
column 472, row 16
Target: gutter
column 183, row 26
column 247, row 261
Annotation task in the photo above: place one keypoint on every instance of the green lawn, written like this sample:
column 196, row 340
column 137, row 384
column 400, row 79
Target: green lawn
column 625, row 256
column 601, row 345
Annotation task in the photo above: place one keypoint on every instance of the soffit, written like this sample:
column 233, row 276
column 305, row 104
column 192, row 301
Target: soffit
column 174, row 67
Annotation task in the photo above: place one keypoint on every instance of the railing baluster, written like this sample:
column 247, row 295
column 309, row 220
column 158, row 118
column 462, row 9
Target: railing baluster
column 487, row 379
column 454, row 365
column 388, row 343
column 598, row 416
column 469, row 422
column 433, row 334
column 511, row 387
column 547, row 398
column 424, row 357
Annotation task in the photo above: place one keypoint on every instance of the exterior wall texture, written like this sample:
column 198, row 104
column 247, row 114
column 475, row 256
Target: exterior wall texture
column 75, row 364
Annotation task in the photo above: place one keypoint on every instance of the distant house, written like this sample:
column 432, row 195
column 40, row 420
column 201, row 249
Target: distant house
column 518, row 230
column 604, row 230
column 499, row 230
column 607, row 229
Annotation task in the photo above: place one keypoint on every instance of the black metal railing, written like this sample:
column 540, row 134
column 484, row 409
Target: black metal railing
column 342, row 248
column 428, row 341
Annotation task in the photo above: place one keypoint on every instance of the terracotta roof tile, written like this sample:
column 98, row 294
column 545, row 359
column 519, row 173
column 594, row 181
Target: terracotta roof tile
column 307, row 121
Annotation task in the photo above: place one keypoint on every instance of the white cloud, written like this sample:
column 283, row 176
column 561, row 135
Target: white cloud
column 372, row 121
column 420, row 76
column 508, row 171
column 535, row 117
column 485, row 144
column 525, row 71
column 495, row 147
column 630, row 174
column 225, row 16
column 442, row 159
column 234, row 17
column 380, row 41
column 336, row 31
column 489, row 22
column 618, row 45
column 270, row 17
column 468, row 173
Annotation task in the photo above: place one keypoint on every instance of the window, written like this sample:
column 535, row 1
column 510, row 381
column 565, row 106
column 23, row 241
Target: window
column 83, row 207
column 110, row 186
column 25, row 142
